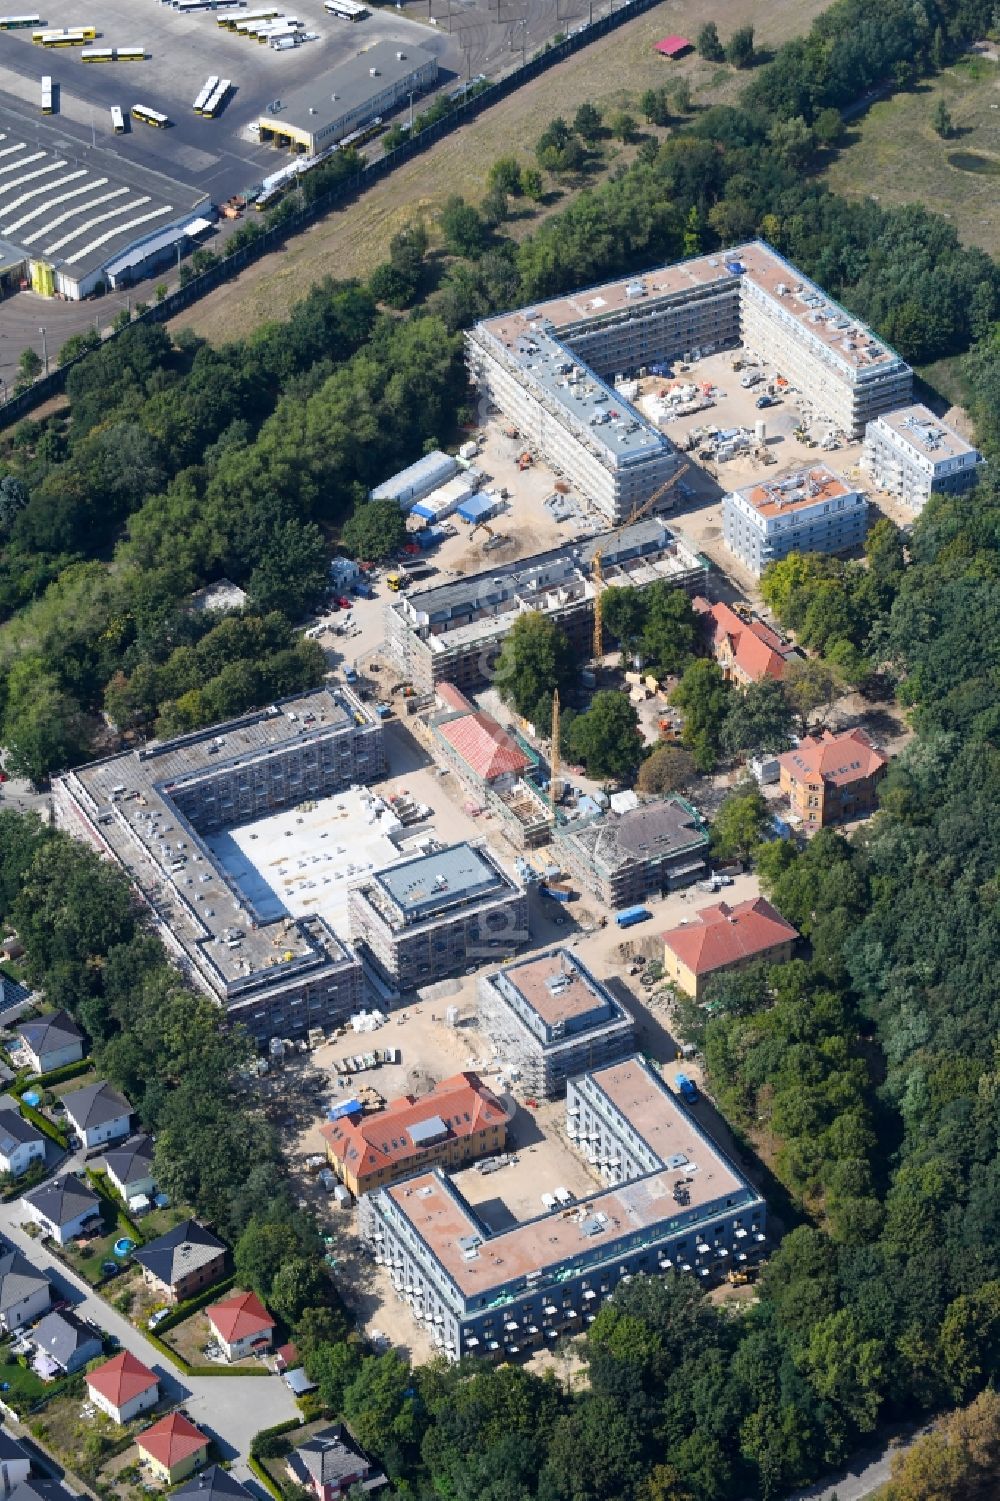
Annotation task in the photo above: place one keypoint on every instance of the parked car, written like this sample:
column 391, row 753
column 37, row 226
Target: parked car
column 156, row 1319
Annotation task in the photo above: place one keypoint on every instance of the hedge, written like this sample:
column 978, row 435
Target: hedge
column 187, row 1369
column 61, row 1075
column 200, row 1300
column 44, row 1125
column 265, row 1479
column 287, row 1425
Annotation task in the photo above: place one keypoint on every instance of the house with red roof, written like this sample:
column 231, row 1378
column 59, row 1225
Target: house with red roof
column 242, row 1325
column 123, row 1387
column 172, row 1448
column 746, row 650
column 491, row 763
column 721, row 937
column 832, row 778
column 460, row 1120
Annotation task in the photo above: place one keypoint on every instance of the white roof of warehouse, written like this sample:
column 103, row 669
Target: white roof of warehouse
column 76, row 209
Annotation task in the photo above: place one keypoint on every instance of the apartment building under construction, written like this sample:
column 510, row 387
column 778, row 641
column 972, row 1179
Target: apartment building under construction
column 453, row 632
column 912, row 454
column 550, row 1018
column 547, row 367
column 801, row 510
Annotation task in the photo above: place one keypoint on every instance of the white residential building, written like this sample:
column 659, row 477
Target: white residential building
column 98, row 1113
column 20, row 1143
column 911, row 454
column 801, row 510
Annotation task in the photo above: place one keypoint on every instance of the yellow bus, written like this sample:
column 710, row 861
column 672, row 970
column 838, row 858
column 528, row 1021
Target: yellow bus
column 117, row 120
column 16, row 23
column 46, row 94
column 97, row 55
column 74, row 36
column 147, row 116
column 130, row 54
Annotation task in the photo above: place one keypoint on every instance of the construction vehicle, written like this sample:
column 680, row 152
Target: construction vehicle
column 595, row 563
column 524, row 461
column 740, row 1277
column 397, row 581
column 482, row 526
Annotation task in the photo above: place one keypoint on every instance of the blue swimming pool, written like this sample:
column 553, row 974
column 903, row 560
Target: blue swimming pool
column 124, row 1246
column 31, row 1097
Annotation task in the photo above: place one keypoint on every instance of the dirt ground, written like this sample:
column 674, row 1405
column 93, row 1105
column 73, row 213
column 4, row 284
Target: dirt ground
column 613, row 72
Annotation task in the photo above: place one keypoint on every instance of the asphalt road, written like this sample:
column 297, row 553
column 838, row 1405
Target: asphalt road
column 230, row 1408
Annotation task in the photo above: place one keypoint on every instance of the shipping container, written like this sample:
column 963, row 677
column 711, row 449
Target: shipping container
column 632, row 915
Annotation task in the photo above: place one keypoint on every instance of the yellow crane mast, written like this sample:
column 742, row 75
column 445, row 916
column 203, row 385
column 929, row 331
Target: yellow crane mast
column 595, row 562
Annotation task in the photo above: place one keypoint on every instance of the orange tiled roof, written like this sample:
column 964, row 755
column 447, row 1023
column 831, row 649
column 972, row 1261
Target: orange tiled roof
column 462, row 1104
column 484, row 746
column 239, row 1315
column 757, row 650
column 171, row 1440
column 836, row 759
column 122, row 1379
column 722, row 935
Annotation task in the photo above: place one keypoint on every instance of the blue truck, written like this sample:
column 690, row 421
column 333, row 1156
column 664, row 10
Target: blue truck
column 629, row 916
column 687, row 1089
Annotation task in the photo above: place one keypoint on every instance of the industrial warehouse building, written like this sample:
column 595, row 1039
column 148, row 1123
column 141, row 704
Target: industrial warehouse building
column 550, row 1018
column 432, row 915
column 547, row 367
column 453, row 631
column 801, row 510
column 622, row 858
column 326, row 109
column 912, row 454
column 674, row 1201
column 149, row 810
column 71, row 221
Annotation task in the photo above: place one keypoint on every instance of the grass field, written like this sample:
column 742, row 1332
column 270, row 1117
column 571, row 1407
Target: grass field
column 612, row 72
column 895, row 147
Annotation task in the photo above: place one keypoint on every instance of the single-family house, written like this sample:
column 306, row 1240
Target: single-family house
column 123, row 1387
column 63, row 1207
column 67, row 1341
column 180, row 1263
column 20, row 1143
column 51, row 1041
column 832, row 778
column 130, row 1167
column 25, row 1292
column 98, row 1113
column 330, row 1463
column 721, row 937
column 213, row 1484
column 242, row 1325
column 15, row 1464
column 173, row 1448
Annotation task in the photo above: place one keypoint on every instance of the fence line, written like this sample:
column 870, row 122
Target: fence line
column 270, row 237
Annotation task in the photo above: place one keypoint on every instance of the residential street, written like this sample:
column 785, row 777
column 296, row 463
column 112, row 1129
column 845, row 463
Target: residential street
column 230, row 1408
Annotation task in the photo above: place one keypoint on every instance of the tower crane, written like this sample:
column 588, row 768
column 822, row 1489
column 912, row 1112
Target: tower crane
column 554, row 758
column 595, row 562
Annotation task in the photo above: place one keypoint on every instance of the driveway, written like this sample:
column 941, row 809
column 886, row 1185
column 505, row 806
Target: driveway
column 230, row 1408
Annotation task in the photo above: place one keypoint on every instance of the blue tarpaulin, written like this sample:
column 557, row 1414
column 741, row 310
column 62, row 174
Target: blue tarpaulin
column 479, row 507
column 345, row 1107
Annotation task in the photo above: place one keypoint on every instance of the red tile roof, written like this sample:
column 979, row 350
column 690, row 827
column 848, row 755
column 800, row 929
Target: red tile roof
column 122, row 1379
column 453, row 698
column 462, row 1104
column 171, row 1440
column 757, row 651
column 835, row 759
column 673, row 46
column 720, row 935
column 484, row 746
column 239, row 1315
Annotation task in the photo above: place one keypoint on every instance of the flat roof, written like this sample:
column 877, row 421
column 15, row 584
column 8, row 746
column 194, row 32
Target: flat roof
column 559, row 988
column 851, row 343
column 446, row 1222
column 345, row 88
column 435, row 882
column 921, row 430
column 485, row 604
column 136, row 802
column 81, row 209
column 796, row 490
